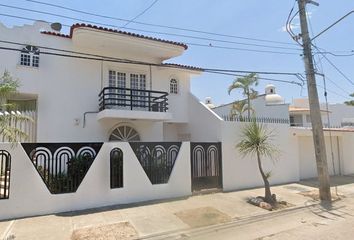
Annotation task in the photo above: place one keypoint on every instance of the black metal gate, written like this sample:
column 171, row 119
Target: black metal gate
column 206, row 165
column 5, row 167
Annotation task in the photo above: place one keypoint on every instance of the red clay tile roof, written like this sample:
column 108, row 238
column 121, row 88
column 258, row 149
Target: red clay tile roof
column 56, row 34
column 83, row 25
column 183, row 66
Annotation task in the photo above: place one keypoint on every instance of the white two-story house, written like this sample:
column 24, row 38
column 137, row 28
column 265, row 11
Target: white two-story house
column 99, row 84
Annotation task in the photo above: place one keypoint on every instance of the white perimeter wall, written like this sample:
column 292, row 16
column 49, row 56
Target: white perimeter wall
column 204, row 125
column 29, row 196
column 261, row 108
column 242, row 171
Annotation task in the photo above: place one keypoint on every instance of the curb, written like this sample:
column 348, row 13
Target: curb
column 186, row 232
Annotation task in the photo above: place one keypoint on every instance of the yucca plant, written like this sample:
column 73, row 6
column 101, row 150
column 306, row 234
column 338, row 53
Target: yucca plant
column 9, row 118
column 257, row 142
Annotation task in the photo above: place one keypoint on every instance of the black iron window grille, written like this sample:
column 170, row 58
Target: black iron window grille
column 116, row 168
column 62, row 166
column 173, row 86
column 157, row 159
column 30, row 56
column 5, row 169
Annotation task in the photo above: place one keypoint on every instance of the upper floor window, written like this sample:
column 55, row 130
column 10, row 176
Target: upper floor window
column 30, row 56
column 173, row 86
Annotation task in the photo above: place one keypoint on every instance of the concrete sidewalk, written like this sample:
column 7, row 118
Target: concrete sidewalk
column 156, row 218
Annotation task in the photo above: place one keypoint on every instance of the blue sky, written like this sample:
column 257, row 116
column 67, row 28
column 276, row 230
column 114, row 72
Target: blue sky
column 251, row 18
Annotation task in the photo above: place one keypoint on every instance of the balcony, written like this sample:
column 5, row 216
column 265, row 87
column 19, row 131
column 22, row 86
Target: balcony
column 129, row 103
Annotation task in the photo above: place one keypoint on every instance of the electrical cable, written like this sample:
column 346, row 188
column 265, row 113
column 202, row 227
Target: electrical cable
column 154, row 32
column 158, row 25
column 96, row 57
column 261, row 78
column 140, row 14
column 333, row 65
column 327, row 107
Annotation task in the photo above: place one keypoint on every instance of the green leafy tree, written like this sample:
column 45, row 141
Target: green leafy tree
column 257, row 142
column 8, row 120
column 245, row 84
column 239, row 108
column 351, row 102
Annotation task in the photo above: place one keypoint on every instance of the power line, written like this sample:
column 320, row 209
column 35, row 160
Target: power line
column 322, row 69
column 334, row 66
column 140, row 14
column 192, row 44
column 257, row 72
column 145, row 63
column 79, row 55
column 289, row 22
column 240, row 49
column 261, row 78
column 146, row 31
column 159, row 25
column 338, row 55
column 333, row 92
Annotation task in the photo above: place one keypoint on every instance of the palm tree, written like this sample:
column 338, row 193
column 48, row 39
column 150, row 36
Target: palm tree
column 257, row 141
column 245, row 84
column 8, row 117
column 239, row 108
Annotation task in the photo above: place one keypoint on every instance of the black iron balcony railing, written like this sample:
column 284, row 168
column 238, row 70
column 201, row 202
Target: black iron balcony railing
column 133, row 99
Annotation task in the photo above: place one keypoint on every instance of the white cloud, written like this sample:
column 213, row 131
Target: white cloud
column 296, row 22
column 291, row 26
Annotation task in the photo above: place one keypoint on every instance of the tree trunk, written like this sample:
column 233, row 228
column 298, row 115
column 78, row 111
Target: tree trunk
column 268, row 194
column 249, row 105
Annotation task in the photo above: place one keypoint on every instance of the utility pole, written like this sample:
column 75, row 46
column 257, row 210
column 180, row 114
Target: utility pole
column 315, row 113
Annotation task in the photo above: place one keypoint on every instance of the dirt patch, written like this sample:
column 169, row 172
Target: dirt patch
column 123, row 231
column 204, row 216
column 314, row 194
column 281, row 205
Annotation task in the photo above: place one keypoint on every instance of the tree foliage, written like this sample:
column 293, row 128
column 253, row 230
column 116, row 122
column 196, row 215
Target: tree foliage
column 9, row 118
column 246, row 84
column 239, row 108
column 351, row 102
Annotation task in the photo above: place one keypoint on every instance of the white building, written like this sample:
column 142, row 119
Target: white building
column 267, row 105
column 109, row 96
column 128, row 94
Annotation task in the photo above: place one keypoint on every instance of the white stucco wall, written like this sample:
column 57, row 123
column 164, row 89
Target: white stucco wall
column 340, row 112
column 261, row 108
column 204, row 124
column 308, row 161
column 348, row 153
column 29, row 196
column 242, row 171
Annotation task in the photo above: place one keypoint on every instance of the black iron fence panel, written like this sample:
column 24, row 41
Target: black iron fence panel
column 206, row 165
column 62, row 166
column 157, row 159
column 133, row 99
column 116, row 168
column 5, row 169
column 231, row 118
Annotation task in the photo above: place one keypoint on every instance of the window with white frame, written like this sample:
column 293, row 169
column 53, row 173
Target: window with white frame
column 174, row 86
column 30, row 56
column 123, row 81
